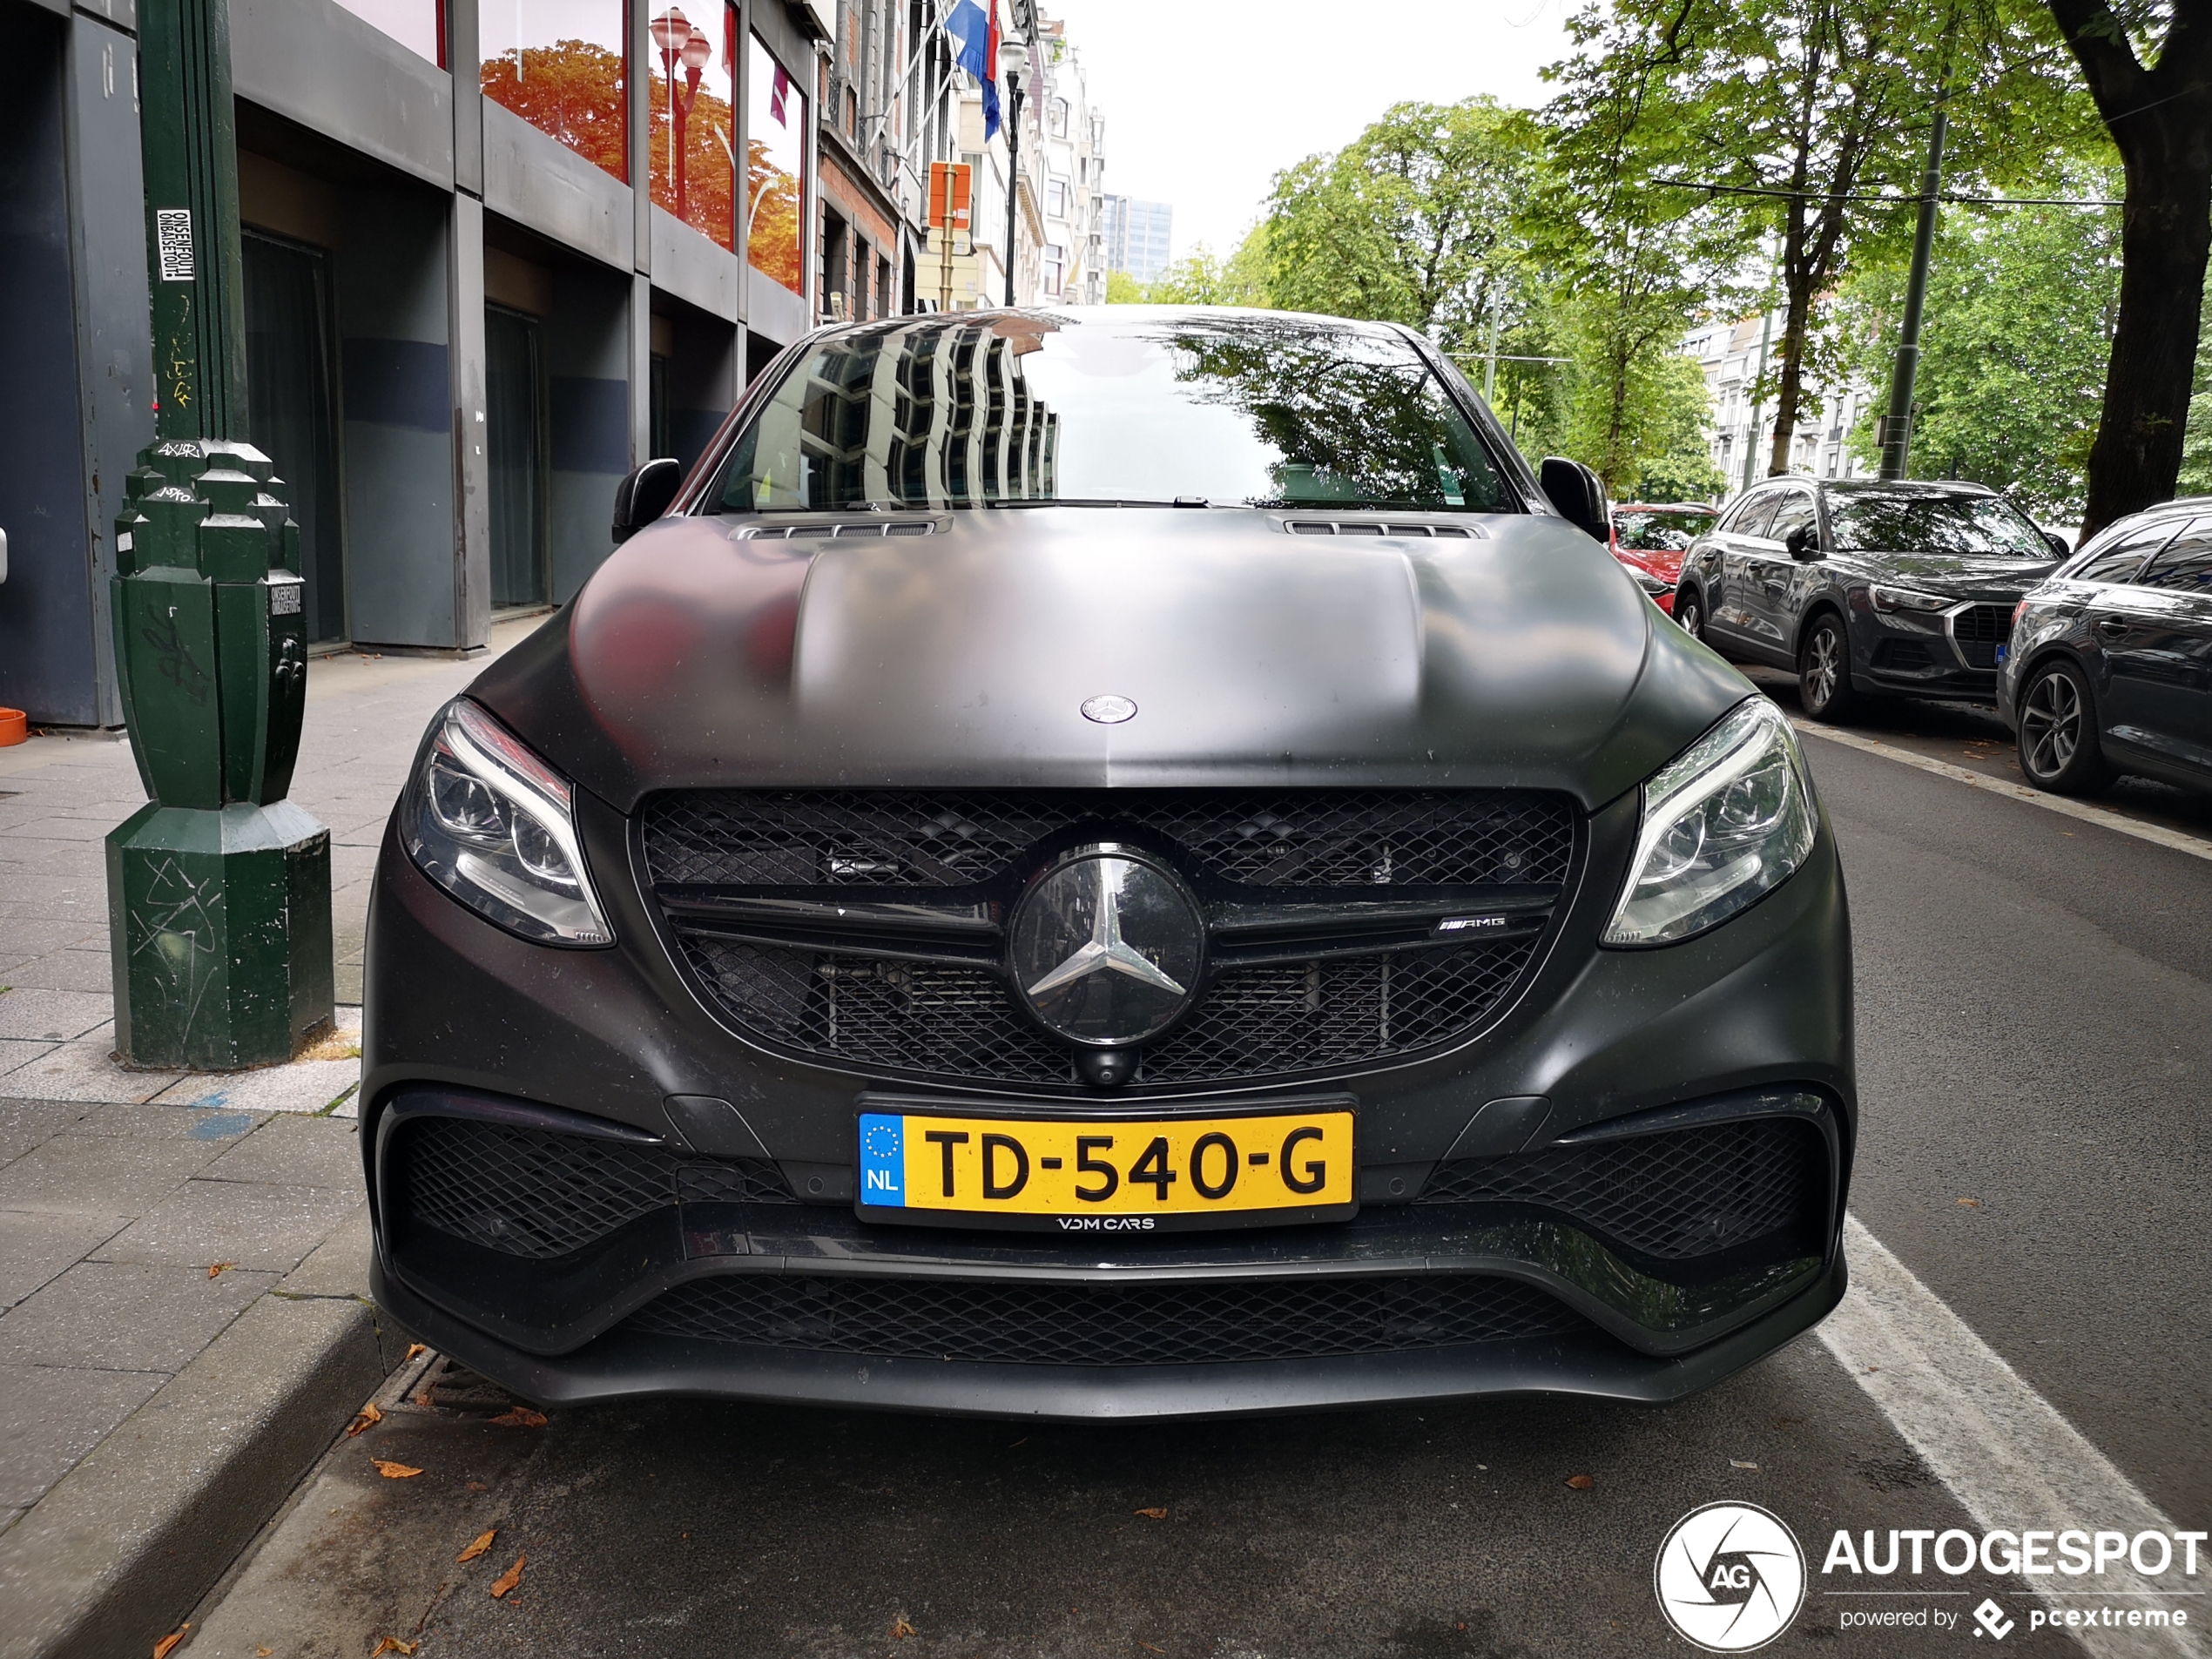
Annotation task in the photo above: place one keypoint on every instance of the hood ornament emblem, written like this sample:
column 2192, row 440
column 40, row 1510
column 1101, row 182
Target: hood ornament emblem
column 1109, row 710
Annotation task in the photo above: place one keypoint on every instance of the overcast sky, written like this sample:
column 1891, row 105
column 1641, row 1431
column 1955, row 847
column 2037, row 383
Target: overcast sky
column 1206, row 99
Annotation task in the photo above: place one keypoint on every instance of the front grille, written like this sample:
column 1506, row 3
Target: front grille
column 1365, row 838
column 1683, row 1193
column 1980, row 630
column 1181, row 1323
column 955, row 1019
column 526, row 1192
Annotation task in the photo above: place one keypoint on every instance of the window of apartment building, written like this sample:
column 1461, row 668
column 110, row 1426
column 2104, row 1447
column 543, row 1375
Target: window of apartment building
column 514, row 453
column 288, row 402
column 417, row 25
column 837, row 245
column 776, row 170
column 1059, row 118
column 1056, row 197
column 693, row 136
column 562, row 69
column 1055, row 266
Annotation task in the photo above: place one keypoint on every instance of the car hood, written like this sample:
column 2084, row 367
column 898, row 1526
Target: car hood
column 700, row 654
column 1959, row 575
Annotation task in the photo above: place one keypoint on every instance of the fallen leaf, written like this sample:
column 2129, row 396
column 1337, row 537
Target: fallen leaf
column 478, row 1486
column 507, row 1580
column 368, row 1417
column 391, row 1645
column 426, row 1399
column 167, row 1644
column 1971, row 1204
column 392, row 1471
column 413, row 1348
column 264, row 1653
column 218, row 1269
column 1148, row 1647
column 1580, row 1482
column 1736, row 1463
column 478, row 1547
column 901, row 1630
column 1151, row 1514
column 519, row 1417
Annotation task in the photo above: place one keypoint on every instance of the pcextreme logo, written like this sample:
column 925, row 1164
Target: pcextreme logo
column 1730, row 1577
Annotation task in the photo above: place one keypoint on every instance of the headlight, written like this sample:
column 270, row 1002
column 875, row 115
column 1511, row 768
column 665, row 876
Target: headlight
column 492, row 824
column 1908, row 599
column 1728, row 820
column 1651, row 584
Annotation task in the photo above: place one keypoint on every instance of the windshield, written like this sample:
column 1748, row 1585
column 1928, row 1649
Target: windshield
column 1649, row 532
column 1879, row 520
column 1257, row 411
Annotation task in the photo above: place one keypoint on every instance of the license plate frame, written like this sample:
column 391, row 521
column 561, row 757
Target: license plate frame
column 1181, row 1123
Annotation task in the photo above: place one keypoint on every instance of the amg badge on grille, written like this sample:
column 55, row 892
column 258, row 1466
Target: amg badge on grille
column 1109, row 710
column 1107, row 947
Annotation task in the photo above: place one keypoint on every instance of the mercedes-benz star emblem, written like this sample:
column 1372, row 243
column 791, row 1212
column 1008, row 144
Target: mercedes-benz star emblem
column 1109, row 710
column 1107, row 947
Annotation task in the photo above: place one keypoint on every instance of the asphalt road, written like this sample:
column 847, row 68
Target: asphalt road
column 2035, row 1022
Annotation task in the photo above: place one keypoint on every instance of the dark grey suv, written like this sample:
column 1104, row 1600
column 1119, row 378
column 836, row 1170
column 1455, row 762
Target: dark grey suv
column 1866, row 587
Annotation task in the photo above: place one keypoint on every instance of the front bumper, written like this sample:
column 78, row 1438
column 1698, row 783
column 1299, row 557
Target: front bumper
column 1759, row 1010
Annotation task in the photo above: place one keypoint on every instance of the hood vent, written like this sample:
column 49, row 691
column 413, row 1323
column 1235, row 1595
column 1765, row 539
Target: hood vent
column 1369, row 527
column 876, row 527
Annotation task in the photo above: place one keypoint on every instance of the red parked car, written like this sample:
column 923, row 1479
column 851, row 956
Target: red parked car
column 1651, row 540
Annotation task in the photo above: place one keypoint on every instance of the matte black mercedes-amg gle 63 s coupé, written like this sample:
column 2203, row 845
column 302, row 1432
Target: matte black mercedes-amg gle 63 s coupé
column 1106, row 863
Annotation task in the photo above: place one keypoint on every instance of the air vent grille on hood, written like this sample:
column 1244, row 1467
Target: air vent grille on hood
column 875, row 527
column 1371, row 527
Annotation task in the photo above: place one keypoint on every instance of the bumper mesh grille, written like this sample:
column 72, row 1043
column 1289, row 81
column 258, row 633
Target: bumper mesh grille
column 949, row 839
column 525, row 1192
column 960, row 1022
column 1980, row 630
column 1181, row 1323
column 1683, row 1194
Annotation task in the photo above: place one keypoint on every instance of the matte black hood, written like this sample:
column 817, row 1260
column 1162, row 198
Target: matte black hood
column 698, row 656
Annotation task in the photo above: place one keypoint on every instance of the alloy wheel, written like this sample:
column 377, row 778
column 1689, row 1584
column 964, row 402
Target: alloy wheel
column 1823, row 666
column 2051, row 724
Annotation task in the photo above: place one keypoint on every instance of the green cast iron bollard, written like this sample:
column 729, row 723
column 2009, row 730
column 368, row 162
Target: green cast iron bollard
column 219, row 889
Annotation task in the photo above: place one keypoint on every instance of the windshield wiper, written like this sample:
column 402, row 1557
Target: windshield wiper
column 1075, row 501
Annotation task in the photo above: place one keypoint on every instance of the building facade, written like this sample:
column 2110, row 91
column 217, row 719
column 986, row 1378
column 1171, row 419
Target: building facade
column 1734, row 355
column 496, row 256
column 1139, row 236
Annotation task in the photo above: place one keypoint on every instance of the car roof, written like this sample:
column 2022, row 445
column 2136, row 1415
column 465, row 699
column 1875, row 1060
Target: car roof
column 1662, row 507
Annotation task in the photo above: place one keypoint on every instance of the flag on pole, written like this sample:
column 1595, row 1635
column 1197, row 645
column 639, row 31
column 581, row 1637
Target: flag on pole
column 977, row 35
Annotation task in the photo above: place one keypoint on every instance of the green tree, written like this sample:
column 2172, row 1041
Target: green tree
column 1681, row 465
column 2019, row 316
column 2197, row 440
column 1199, row 278
column 1419, row 221
column 1122, row 289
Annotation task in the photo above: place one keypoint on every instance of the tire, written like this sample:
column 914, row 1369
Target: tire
column 1689, row 611
column 1823, row 671
column 2058, row 731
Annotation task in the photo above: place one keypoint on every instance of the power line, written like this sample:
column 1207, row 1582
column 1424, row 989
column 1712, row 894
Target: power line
column 1887, row 201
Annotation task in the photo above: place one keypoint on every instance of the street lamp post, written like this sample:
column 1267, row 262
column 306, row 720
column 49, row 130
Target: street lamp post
column 1014, row 59
column 680, row 42
column 219, row 889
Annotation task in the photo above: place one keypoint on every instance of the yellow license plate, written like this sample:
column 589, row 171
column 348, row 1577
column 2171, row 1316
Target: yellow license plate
column 1106, row 1174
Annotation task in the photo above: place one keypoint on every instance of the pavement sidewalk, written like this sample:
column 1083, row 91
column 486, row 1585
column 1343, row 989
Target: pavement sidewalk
column 185, row 1321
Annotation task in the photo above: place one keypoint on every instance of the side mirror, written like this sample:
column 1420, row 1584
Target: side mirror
column 1578, row 495
column 643, row 496
column 1801, row 544
column 2059, row 548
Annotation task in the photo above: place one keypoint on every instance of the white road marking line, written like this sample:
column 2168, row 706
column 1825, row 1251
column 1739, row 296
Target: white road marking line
column 2004, row 1451
column 2104, row 817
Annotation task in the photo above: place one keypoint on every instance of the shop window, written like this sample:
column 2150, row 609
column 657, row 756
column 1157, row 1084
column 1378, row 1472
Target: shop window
column 288, row 401
column 775, row 170
column 562, row 69
column 515, row 445
column 694, row 162
column 419, row 25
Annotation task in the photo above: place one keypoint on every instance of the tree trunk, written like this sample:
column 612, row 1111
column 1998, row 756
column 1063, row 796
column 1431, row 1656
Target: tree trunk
column 1789, row 389
column 2166, row 233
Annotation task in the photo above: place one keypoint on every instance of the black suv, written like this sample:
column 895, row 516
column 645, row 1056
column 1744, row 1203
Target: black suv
column 1864, row 586
column 2111, row 663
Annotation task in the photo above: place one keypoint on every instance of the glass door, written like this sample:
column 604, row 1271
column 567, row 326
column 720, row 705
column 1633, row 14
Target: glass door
column 514, row 441
column 288, row 408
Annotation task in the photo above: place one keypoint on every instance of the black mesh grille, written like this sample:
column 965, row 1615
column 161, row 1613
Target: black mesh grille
column 1181, row 1323
column 960, row 1022
column 1685, row 1193
column 525, row 1192
column 949, row 839
column 1979, row 630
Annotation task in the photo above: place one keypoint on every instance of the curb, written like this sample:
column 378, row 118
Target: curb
column 124, row 1547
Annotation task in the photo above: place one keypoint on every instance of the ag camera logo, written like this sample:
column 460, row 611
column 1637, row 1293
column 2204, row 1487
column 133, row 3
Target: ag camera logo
column 1730, row 1577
